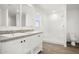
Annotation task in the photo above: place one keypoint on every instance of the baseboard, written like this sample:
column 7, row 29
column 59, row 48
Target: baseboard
column 53, row 42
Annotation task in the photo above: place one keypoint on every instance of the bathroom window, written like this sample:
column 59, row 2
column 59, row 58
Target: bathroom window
column 37, row 21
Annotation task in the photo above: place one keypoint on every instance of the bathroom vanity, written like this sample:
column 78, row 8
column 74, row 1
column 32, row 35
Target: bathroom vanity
column 16, row 37
column 21, row 43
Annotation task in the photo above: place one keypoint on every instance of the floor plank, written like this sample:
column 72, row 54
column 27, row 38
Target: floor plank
column 49, row 48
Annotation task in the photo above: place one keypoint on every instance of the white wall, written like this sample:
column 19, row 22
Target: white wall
column 73, row 21
column 54, row 30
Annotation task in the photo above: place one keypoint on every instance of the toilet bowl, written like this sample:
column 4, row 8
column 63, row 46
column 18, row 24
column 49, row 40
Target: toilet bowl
column 73, row 39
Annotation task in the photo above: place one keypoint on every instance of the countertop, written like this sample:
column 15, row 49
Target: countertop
column 15, row 36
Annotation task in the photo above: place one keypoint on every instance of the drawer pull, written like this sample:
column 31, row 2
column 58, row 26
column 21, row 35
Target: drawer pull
column 21, row 41
column 24, row 40
column 38, row 35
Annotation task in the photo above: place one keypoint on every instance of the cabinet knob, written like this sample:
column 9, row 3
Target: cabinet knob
column 38, row 35
column 21, row 41
column 24, row 40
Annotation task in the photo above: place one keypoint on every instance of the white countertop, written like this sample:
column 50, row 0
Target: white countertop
column 7, row 37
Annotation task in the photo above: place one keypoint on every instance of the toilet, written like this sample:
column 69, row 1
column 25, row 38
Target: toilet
column 73, row 39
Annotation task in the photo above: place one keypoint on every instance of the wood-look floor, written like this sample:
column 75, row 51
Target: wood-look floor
column 49, row 48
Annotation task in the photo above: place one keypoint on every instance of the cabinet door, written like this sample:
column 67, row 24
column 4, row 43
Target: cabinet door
column 31, row 42
column 26, row 45
column 12, row 47
column 36, row 43
column 36, row 40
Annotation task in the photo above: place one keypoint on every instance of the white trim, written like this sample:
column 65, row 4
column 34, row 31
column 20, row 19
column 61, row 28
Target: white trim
column 54, row 42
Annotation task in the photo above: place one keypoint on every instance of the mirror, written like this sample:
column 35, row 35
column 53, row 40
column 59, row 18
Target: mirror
column 17, row 15
column 12, row 8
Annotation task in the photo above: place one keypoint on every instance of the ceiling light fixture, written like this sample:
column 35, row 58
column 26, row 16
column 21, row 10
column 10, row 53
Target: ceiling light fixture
column 54, row 16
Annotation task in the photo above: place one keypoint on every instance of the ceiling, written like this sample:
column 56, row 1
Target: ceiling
column 48, row 8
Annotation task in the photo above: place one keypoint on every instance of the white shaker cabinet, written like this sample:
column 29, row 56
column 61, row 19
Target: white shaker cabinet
column 36, row 44
column 24, row 45
column 33, row 44
column 14, row 46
